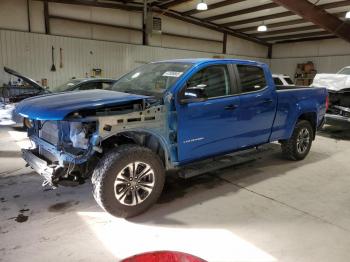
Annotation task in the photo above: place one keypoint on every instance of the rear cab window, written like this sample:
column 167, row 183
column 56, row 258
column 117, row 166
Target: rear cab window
column 288, row 80
column 251, row 78
column 278, row 82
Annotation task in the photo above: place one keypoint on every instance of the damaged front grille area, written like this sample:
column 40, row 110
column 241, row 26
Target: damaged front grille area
column 49, row 131
column 65, row 136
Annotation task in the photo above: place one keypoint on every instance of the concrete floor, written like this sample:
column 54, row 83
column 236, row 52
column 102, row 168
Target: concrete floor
column 268, row 210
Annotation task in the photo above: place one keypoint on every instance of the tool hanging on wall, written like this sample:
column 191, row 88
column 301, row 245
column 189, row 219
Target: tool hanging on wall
column 61, row 58
column 53, row 67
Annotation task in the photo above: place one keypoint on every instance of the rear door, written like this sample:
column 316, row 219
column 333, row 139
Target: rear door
column 257, row 106
column 207, row 128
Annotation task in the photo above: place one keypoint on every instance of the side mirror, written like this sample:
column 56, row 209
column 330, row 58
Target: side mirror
column 193, row 94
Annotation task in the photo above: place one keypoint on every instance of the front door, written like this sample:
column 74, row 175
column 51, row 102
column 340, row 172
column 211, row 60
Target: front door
column 206, row 128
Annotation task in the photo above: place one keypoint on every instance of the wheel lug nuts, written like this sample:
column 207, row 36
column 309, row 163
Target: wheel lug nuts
column 129, row 184
column 130, row 178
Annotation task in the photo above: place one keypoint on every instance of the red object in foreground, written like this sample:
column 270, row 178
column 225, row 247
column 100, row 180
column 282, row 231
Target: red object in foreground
column 164, row 256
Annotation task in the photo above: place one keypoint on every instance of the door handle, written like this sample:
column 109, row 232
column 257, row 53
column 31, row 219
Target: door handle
column 267, row 101
column 231, row 107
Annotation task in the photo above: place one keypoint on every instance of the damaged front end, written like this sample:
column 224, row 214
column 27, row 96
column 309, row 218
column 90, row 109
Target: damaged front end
column 66, row 151
column 63, row 151
column 339, row 107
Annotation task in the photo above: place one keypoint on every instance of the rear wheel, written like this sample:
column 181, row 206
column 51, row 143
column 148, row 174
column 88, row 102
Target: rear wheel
column 299, row 145
column 128, row 180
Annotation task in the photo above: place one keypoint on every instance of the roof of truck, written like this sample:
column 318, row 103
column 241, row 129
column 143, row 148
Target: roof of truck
column 199, row 61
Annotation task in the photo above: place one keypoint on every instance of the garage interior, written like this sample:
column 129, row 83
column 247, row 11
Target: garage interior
column 265, row 209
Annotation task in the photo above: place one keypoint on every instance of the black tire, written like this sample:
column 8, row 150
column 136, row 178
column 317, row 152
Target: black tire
column 290, row 146
column 112, row 165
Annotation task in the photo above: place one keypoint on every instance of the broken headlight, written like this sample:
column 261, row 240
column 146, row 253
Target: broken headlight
column 80, row 133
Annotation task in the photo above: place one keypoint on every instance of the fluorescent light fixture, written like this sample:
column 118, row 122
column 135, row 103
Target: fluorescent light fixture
column 347, row 16
column 262, row 28
column 202, row 6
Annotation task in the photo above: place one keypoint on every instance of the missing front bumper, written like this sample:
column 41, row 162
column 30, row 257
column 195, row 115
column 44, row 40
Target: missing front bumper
column 39, row 165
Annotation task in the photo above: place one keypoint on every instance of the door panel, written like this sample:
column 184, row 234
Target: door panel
column 257, row 106
column 207, row 128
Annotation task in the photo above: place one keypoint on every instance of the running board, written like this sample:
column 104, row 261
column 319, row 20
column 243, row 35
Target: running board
column 234, row 159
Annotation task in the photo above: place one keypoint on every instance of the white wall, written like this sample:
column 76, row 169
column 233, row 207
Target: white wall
column 329, row 56
column 13, row 15
column 87, row 45
column 30, row 54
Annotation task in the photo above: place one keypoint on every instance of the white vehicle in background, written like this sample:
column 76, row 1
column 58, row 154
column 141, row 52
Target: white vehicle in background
column 334, row 82
column 282, row 80
column 338, row 86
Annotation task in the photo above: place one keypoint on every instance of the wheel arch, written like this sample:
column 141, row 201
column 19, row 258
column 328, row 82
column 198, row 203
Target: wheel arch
column 144, row 138
column 312, row 118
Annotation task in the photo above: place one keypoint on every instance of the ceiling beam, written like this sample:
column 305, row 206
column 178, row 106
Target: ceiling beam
column 208, row 25
column 297, row 36
column 166, row 12
column 274, row 25
column 318, row 16
column 306, row 39
column 258, row 19
column 214, row 6
column 285, row 31
column 286, row 23
column 172, row 3
column 127, row 7
column 284, row 14
column 242, row 12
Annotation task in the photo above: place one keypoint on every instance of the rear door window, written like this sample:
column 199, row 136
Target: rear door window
column 252, row 78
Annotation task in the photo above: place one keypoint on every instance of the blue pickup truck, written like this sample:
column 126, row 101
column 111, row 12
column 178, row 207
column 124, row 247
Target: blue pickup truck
column 163, row 116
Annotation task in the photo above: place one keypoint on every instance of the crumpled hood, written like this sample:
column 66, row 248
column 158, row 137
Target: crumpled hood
column 334, row 82
column 58, row 106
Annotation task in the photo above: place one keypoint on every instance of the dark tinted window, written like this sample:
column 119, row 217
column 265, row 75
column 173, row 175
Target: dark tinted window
column 212, row 81
column 90, row 86
column 252, row 78
column 289, row 81
column 277, row 81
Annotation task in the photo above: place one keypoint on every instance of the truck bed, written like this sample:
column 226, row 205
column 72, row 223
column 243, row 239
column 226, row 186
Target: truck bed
column 290, row 100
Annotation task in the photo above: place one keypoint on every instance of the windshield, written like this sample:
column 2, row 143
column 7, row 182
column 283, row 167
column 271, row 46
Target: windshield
column 345, row 71
column 65, row 86
column 151, row 79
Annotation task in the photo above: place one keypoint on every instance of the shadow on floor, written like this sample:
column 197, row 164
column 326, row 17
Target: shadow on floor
column 11, row 154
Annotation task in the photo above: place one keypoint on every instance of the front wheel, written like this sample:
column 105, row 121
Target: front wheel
column 299, row 145
column 128, row 180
